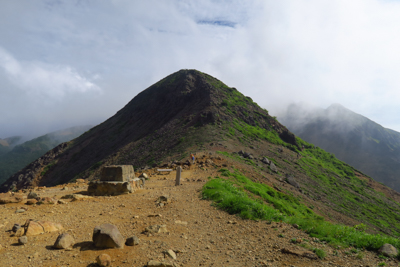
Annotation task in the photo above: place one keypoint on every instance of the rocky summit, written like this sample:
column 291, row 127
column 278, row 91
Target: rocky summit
column 218, row 182
column 181, row 110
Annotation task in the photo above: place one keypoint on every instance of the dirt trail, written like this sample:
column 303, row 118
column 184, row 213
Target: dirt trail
column 199, row 233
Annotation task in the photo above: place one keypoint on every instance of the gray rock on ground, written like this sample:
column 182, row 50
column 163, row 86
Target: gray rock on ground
column 32, row 195
column 156, row 229
column 64, row 241
column 290, row 180
column 388, row 250
column 170, row 253
column 103, row 260
column 132, row 241
column 23, row 240
column 107, row 236
column 154, row 263
column 16, row 227
column 273, row 167
column 265, row 160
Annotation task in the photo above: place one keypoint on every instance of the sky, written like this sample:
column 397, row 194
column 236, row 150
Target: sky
column 66, row 63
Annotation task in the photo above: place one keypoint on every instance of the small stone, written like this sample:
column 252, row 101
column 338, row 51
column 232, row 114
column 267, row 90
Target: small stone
column 103, row 260
column 60, row 201
column 170, row 253
column 181, row 222
column 23, row 240
column 155, row 229
column 31, row 201
column 20, row 211
column 64, row 241
column 154, row 263
column 19, row 232
column 132, row 241
column 16, row 227
column 32, row 195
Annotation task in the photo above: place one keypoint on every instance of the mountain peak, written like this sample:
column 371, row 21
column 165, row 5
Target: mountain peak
column 182, row 111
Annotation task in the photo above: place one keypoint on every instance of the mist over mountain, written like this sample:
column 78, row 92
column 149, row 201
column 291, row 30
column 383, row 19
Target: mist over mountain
column 16, row 156
column 8, row 143
column 351, row 137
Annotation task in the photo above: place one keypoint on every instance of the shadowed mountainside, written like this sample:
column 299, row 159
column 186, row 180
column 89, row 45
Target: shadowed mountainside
column 353, row 138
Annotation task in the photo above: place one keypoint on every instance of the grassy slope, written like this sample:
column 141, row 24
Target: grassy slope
column 237, row 194
column 328, row 177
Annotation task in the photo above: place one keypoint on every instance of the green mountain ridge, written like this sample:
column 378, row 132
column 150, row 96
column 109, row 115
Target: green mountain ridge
column 353, row 138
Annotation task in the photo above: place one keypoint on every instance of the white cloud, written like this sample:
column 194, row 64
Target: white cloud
column 41, row 79
column 276, row 52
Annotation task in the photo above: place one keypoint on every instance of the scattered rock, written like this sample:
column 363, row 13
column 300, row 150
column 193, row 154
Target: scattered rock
column 273, row 167
column 144, row 175
column 181, row 222
column 20, row 211
column 388, row 250
column 132, row 241
column 299, row 253
column 20, row 232
column 31, row 202
column 60, row 201
column 23, row 240
column 170, row 253
column 103, row 260
column 156, row 229
column 32, row 195
column 16, row 227
column 76, row 197
column 265, row 160
column 47, row 200
column 64, row 241
column 107, row 236
column 290, row 180
column 80, row 181
column 154, row 263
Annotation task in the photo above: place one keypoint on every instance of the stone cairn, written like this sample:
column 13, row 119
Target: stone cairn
column 115, row 180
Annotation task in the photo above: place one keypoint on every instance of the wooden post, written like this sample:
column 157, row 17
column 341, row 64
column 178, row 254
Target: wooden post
column 178, row 175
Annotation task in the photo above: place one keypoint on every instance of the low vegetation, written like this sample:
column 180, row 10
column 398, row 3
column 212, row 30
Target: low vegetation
column 237, row 194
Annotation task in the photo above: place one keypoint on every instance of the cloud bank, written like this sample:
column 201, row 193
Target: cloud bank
column 65, row 63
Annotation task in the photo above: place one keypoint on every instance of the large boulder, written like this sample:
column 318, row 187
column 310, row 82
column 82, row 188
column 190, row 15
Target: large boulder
column 388, row 250
column 39, row 227
column 107, row 236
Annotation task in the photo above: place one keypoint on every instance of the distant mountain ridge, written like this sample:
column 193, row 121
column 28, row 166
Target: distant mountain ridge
column 353, row 138
column 8, row 143
column 16, row 157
